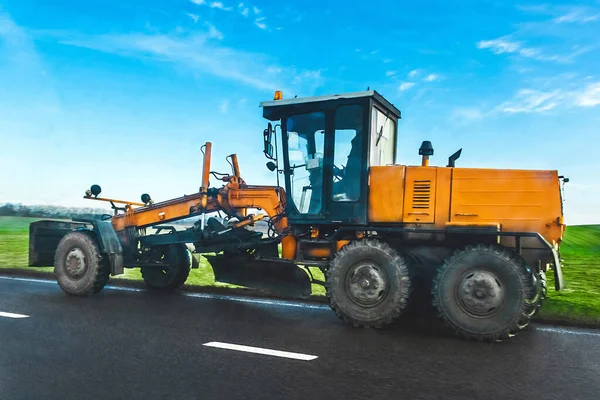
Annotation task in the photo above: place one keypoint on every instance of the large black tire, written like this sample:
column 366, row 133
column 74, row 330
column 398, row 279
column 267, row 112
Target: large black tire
column 485, row 293
column 80, row 268
column 368, row 284
column 171, row 277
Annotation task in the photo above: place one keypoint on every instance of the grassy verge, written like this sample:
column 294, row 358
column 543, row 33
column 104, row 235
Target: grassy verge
column 578, row 304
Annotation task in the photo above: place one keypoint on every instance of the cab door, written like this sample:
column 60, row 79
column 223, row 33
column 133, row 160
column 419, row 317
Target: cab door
column 347, row 170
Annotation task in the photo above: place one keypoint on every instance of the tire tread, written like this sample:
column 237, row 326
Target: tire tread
column 335, row 269
column 98, row 263
column 520, row 322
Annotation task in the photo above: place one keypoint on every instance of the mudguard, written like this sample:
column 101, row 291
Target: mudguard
column 109, row 243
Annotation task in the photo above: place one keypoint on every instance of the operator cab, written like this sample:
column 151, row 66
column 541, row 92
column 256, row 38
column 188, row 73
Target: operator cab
column 328, row 145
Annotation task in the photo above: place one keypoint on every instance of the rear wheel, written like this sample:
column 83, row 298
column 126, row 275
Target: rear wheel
column 172, row 276
column 368, row 284
column 79, row 266
column 485, row 293
column 542, row 291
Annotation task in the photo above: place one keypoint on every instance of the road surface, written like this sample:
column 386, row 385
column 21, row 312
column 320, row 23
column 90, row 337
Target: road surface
column 130, row 344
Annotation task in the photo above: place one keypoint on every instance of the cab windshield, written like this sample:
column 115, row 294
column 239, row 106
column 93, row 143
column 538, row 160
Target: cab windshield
column 306, row 139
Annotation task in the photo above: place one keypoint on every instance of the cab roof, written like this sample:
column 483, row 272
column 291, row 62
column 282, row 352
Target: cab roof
column 331, row 98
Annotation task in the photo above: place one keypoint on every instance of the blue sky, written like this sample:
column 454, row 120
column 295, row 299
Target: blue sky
column 124, row 93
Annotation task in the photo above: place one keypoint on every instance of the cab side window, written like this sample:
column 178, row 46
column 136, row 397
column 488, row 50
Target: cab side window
column 382, row 139
column 347, row 153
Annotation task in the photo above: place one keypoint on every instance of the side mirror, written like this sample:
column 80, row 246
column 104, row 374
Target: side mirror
column 268, row 135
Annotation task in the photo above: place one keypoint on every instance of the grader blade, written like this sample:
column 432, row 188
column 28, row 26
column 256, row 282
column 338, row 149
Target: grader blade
column 276, row 276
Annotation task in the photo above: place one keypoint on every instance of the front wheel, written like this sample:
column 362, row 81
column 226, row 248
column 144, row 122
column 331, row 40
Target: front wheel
column 79, row 266
column 368, row 284
column 485, row 292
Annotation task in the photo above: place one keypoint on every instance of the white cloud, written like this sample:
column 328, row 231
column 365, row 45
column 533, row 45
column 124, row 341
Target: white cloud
column 590, row 96
column 387, row 61
column 213, row 32
column 224, row 106
column 528, row 101
column 219, row 5
column 532, row 101
column 413, row 73
column 467, row 113
column 256, row 10
column 215, row 4
column 576, row 17
column 193, row 16
column 505, row 46
column 499, row 46
column 201, row 53
column 261, row 24
column 274, row 70
column 431, row 78
column 243, row 10
column 390, row 73
column 307, row 76
column 405, row 86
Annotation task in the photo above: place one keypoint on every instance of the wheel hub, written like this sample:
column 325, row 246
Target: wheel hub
column 367, row 284
column 480, row 293
column 76, row 263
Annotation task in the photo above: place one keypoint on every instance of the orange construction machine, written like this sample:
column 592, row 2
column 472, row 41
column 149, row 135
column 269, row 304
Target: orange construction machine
column 372, row 226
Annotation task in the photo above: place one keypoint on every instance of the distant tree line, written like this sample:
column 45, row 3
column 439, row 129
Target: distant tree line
column 61, row 212
column 54, row 212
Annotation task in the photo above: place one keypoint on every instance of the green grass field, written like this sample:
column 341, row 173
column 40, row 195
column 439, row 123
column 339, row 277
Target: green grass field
column 578, row 303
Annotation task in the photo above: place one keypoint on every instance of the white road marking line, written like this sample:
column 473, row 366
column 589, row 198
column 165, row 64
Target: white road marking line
column 259, row 301
column 199, row 295
column 11, row 315
column 259, row 350
column 12, row 278
column 568, row 331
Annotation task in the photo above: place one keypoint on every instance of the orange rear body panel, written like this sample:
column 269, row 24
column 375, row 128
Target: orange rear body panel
column 519, row 200
column 437, row 197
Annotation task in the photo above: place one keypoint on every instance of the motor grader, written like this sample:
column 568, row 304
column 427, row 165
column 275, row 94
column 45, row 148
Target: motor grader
column 346, row 207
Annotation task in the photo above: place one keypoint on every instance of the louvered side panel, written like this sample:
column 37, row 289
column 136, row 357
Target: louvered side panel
column 420, row 195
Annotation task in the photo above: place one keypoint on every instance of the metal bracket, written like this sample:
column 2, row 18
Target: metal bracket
column 559, row 283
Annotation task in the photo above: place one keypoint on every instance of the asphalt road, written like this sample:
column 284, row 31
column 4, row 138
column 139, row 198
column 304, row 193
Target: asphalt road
column 127, row 344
